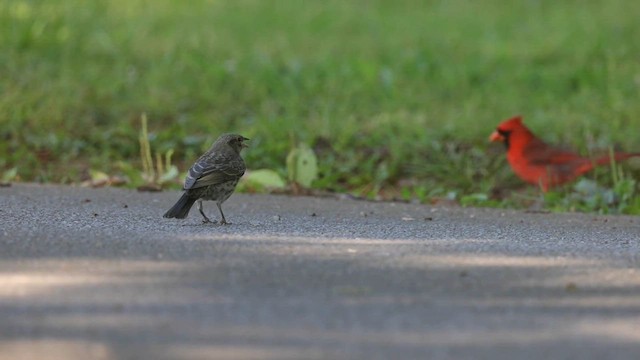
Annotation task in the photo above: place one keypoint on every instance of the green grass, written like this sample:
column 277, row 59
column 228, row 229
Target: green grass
column 396, row 97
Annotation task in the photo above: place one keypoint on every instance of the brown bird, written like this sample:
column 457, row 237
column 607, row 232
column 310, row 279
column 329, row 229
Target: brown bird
column 213, row 177
column 541, row 164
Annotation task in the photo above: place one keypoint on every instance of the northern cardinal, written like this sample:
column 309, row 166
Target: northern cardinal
column 541, row 164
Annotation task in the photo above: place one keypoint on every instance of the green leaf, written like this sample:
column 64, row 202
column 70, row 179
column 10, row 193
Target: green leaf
column 302, row 165
column 170, row 174
column 263, row 179
column 9, row 175
column 98, row 176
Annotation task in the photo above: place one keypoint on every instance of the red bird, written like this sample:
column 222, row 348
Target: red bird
column 541, row 164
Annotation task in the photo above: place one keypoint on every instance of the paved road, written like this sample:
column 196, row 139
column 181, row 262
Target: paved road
column 100, row 274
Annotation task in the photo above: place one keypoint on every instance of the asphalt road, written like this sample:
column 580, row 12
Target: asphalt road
column 99, row 274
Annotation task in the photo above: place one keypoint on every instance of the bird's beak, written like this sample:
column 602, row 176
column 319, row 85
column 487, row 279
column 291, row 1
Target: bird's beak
column 243, row 144
column 496, row 136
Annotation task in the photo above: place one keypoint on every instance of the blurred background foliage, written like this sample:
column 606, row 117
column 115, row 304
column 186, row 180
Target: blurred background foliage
column 395, row 98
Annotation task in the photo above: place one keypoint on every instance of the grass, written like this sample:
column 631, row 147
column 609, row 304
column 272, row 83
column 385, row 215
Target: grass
column 397, row 98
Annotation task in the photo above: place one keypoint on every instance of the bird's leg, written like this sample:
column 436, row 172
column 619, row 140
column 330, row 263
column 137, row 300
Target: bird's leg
column 206, row 219
column 537, row 207
column 223, row 221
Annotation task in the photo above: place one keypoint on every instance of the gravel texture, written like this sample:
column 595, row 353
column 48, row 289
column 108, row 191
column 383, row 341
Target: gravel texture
column 98, row 273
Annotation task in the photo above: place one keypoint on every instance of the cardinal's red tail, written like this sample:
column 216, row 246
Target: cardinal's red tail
column 619, row 156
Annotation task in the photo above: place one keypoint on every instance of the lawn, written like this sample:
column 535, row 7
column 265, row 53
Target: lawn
column 397, row 98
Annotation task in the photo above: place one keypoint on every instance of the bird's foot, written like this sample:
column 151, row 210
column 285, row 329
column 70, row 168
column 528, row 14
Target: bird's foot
column 224, row 222
column 207, row 221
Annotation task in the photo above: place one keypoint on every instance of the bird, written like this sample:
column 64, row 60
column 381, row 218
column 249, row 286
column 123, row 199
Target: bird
column 213, row 176
column 541, row 164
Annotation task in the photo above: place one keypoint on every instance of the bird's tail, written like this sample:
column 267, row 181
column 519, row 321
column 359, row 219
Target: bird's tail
column 619, row 156
column 181, row 209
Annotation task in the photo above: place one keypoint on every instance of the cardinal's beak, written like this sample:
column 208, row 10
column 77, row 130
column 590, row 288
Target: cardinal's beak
column 496, row 136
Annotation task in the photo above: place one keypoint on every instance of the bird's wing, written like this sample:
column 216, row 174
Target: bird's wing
column 213, row 170
column 539, row 153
